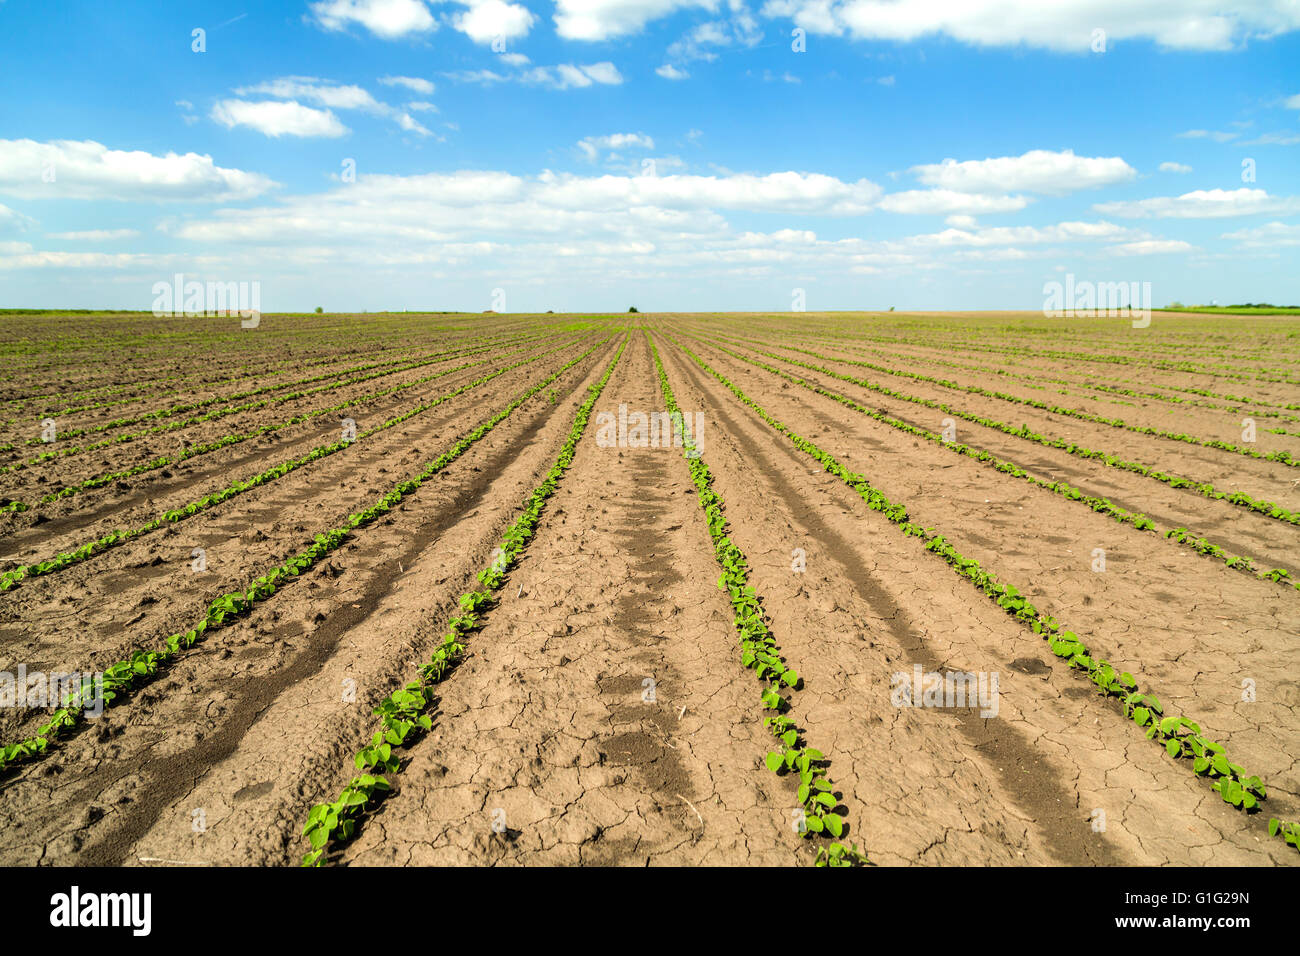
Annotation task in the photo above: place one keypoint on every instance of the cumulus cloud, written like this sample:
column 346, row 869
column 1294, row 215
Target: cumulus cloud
column 606, row 19
column 1173, row 24
column 1027, row 235
column 96, row 235
column 593, row 146
column 31, row 259
column 1037, row 171
column 1267, row 236
column 670, row 72
column 1204, row 204
column 276, row 119
column 338, row 96
column 942, row 202
column 389, row 19
column 1152, row 247
column 89, row 170
column 564, row 76
column 1174, row 168
column 487, row 20
column 414, row 83
column 11, row 220
column 484, row 205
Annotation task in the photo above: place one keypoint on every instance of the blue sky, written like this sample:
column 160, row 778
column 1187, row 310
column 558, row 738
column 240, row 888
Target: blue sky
column 586, row 155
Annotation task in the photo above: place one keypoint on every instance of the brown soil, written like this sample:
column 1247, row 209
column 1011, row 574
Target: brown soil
column 602, row 715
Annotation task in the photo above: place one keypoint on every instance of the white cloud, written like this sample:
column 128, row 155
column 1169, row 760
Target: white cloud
column 485, row 20
column 474, row 205
column 941, row 202
column 335, row 96
column 413, row 83
column 1152, row 247
column 604, row 72
column 515, row 59
column 274, row 118
column 1292, row 102
column 702, row 40
column 886, row 80
column 96, row 235
column 11, row 220
column 90, row 170
column 1174, row 24
column 567, row 75
column 1267, row 236
column 961, row 222
column 1037, row 171
column 605, row 19
column 1273, row 139
column 1174, row 168
column 28, row 259
column 1219, row 136
column 670, row 72
column 389, row 19
column 482, row 77
column 1204, row 204
column 563, row 76
column 322, row 93
column 592, row 146
column 1025, row 235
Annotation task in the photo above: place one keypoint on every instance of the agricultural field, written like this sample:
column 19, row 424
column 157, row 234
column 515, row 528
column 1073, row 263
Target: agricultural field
column 895, row 589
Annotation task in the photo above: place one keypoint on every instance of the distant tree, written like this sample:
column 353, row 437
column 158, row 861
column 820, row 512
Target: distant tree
column 319, row 310
column 633, row 309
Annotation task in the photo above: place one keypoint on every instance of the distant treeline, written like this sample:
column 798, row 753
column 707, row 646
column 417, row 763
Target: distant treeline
column 1249, row 308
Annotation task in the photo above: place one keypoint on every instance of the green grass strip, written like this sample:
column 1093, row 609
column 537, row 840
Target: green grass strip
column 402, row 714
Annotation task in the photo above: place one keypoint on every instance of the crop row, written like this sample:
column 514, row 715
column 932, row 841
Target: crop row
column 1180, row 736
column 1256, row 407
column 1100, row 505
column 1267, row 508
column 1219, row 370
column 142, row 665
column 193, row 406
column 1279, row 456
column 403, row 717
column 1051, row 354
column 64, row 452
column 193, row 451
column 760, row 653
column 394, row 355
column 254, row 370
column 1240, row 405
column 100, row 396
column 115, row 538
